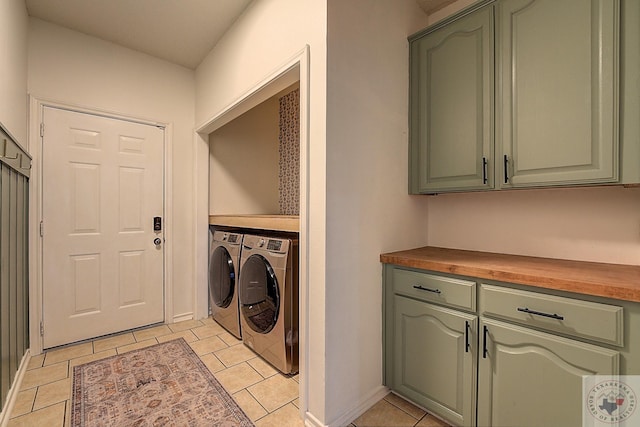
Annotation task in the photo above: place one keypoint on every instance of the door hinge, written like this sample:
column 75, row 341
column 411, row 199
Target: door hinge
column 41, row 229
column 42, row 328
column 41, row 129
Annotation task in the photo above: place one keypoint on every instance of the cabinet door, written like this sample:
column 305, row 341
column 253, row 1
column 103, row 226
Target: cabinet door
column 434, row 358
column 451, row 142
column 530, row 378
column 557, row 115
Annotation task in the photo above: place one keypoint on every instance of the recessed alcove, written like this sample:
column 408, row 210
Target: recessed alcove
column 253, row 161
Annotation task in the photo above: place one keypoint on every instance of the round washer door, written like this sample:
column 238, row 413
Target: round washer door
column 259, row 294
column 222, row 277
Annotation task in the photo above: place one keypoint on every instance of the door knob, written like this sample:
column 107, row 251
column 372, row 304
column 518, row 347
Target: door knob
column 157, row 241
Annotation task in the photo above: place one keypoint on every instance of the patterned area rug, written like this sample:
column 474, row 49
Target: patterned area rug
column 162, row 385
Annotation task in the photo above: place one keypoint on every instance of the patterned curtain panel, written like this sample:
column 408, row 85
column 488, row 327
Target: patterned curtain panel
column 289, row 151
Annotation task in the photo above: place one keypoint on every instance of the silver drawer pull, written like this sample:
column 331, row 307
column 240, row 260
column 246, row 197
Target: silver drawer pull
column 435, row 291
column 539, row 313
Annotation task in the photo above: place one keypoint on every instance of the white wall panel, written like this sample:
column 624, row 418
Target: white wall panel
column 131, row 278
column 85, row 273
column 131, row 145
column 85, row 198
column 131, row 203
column 83, row 138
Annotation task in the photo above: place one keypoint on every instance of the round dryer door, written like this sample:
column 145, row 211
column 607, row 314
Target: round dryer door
column 222, row 277
column 259, row 294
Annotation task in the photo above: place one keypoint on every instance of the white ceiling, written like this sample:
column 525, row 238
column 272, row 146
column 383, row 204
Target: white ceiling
column 180, row 31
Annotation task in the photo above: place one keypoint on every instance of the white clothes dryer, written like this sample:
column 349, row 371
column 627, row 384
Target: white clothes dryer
column 224, row 266
column 269, row 299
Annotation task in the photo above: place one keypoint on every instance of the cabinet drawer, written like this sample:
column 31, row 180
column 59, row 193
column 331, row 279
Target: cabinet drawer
column 584, row 319
column 439, row 289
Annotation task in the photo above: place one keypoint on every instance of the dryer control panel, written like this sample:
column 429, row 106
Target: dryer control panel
column 274, row 245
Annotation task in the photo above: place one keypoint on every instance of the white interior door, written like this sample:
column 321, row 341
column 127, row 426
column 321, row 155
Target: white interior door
column 102, row 186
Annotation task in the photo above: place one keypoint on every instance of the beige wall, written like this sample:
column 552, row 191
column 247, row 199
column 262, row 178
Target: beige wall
column 72, row 68
column 267, row 36
column 357, row 160
column 243, row 166
column 357, row 195
column 13, row 68
column 449, row 10
column 589, row 224
column 369, row 210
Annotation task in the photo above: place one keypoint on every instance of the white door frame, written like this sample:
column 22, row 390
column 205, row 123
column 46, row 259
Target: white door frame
column 294, row 69
column 36, row 108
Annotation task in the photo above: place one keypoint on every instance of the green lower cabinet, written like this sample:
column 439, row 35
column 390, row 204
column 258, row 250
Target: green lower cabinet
column 465, row 366
column 434, row 358
column 531, row 378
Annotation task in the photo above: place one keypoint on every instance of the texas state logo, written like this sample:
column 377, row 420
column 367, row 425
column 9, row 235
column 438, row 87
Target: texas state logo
column 610, row 400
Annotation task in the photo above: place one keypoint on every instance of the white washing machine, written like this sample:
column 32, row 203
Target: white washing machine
column 269, row 299
column 224, row 268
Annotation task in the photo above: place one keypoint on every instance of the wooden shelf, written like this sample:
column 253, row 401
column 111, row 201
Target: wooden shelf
column 288, row 223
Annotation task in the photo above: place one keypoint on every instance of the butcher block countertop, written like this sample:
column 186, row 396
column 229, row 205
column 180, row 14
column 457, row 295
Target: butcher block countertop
column 616, row 281
column 289, row 223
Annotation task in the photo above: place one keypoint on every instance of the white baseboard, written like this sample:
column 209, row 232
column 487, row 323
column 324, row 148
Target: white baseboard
column 182, row 317
column 13, row 391
column 311, row 421
column 346, row 418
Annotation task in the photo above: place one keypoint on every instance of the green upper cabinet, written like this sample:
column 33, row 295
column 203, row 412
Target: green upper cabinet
column 451, row 95
column 557, row 92
column 526, row 93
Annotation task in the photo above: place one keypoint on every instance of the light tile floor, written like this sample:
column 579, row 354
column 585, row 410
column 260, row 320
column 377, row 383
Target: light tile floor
column 393, row 411
column 268, row 397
